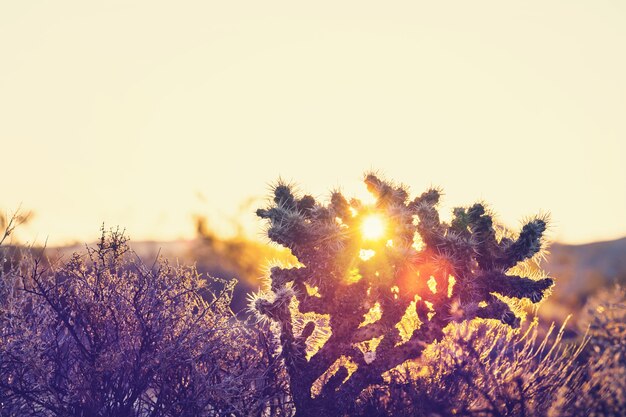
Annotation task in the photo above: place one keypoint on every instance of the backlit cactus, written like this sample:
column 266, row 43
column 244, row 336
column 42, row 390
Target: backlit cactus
column 378, row 283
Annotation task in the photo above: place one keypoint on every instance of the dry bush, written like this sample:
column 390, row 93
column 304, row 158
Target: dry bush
column 479, row 369
column 603, row 390
column 106, row 335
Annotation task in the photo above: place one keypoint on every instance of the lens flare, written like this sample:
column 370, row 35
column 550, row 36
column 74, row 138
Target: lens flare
column 366, row 254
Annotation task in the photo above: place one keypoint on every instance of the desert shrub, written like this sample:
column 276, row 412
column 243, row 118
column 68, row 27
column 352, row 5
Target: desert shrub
column 105, row 335
column 377, row 285
column 603, row 391
column 479, row 369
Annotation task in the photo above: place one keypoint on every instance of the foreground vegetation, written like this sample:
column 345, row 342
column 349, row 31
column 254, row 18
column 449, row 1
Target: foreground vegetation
column 387, row 312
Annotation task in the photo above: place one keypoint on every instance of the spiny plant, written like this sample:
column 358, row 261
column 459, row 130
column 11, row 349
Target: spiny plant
column 377, row 284
column 483, row 370
column 603, row 391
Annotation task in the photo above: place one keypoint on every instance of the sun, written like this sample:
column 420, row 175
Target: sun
column 373, row 227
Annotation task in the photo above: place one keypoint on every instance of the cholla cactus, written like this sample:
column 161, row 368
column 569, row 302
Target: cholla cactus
column 375, row 287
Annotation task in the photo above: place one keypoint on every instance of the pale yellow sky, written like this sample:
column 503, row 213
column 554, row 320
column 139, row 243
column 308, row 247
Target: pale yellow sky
column 127, row 112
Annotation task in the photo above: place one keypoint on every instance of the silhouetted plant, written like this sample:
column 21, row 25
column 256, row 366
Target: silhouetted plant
column 106, row 335
column 603, row 390
column 481, row 370
column 11, row 255
column 378, row 284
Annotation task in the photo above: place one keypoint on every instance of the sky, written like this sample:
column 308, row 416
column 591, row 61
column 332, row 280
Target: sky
column 143, row 114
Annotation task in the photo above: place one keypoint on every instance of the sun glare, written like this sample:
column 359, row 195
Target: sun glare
column 373, row 227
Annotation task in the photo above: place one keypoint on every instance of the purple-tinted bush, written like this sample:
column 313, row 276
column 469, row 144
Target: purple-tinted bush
column 479, row 369
column 603, row 389
column 106, row 335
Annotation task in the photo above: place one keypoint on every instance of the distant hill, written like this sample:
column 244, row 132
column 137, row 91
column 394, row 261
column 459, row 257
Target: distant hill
column 581, row 270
